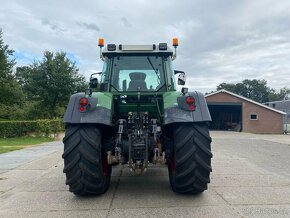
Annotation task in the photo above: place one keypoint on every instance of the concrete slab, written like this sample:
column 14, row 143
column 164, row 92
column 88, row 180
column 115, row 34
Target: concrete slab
column 278, row 138
column 269, row 180
column 17, row 158
column 264, row 211
column 3, row 171
column 54, row 201
column 55, row 171
column 238, row 169
column 165, row 199
column 43, row 163
column 270, row 156
column 156, row 192
column 61, row 213
column 15, row 178
column 45, row 184
column 254, row 195
column 136, row 183
column 220, row 163
column 190, row 212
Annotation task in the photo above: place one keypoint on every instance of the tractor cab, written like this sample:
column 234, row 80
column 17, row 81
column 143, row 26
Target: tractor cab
column 133, row 68
column 137, row 76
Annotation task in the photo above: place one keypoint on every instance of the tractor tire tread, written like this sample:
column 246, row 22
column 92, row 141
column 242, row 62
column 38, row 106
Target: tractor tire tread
column 83, row 160
column 192, row 158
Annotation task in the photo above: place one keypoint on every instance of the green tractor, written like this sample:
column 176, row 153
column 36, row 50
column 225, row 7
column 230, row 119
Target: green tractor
column 135, row 116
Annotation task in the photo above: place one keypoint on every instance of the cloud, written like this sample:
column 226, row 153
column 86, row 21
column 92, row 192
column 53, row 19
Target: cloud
column 125, row 22
column 89, row 26
column 220, row 41
column 53, row 26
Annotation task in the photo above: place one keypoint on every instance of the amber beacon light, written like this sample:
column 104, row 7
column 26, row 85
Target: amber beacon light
column 175, row 42
column 101, row 42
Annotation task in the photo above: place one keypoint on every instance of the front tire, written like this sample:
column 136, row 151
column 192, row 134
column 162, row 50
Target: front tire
column 189, row 163
column 85, row 161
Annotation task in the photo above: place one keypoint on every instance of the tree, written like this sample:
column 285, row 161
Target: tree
column 11, row 95
column 282, row 94
column 49, row 83
column 227, row 86
column 256, row 90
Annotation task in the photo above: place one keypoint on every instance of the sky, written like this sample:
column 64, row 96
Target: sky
column 219, row 40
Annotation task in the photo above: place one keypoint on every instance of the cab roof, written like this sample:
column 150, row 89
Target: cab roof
column 161, row 49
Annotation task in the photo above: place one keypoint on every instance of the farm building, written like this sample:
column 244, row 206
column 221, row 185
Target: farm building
column 230, row 111
column 281, row 106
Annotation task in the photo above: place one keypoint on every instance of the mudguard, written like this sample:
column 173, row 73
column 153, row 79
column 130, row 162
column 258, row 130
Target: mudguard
column 99, row 110
column 175, row 112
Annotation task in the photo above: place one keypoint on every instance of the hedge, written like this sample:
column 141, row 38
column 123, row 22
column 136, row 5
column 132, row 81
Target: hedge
column 36, row 127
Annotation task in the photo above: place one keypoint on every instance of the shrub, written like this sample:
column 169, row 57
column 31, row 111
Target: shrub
column 37, row 127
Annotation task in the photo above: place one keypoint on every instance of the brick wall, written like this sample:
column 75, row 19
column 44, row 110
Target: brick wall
column 267, row 121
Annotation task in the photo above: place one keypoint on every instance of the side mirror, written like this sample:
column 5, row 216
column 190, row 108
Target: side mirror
column 181, row 77
column 94, row 83
column 178, row 72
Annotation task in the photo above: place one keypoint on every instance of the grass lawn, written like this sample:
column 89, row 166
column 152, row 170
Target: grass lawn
column 11, row 144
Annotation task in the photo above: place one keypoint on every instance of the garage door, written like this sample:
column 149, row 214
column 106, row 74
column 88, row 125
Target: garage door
column 226, row 116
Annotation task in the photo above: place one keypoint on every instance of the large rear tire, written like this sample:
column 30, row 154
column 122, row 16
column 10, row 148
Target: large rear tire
column 190, row 158
column 85, row 161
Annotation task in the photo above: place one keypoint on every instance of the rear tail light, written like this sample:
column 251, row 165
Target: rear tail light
column 83, row 104
column 191, row 103
column 84, row 101
column 190, row 100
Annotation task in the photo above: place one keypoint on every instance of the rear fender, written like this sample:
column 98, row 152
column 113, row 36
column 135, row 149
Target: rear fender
column 98, row 112
column 175, row 111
